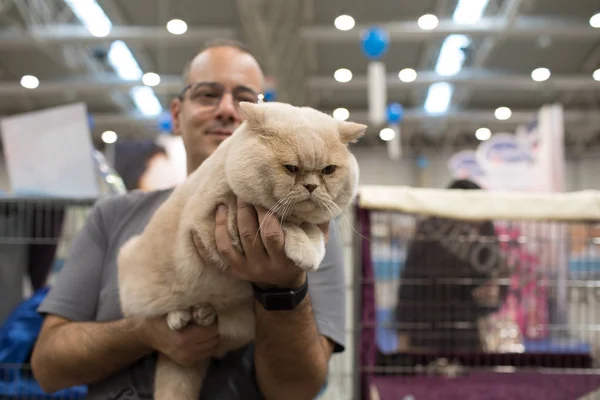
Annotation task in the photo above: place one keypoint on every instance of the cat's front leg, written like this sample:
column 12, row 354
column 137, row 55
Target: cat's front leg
column 304, row 245
column 178, row 319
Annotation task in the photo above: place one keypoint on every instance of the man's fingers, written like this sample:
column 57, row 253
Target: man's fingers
column 271, row 232
column 248, row 227
column 223, row 239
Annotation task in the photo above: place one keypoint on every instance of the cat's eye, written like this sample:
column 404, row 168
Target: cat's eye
column 292, row 168
column 330, row 169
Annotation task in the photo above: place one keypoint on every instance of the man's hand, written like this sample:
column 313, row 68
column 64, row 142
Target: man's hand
column 264, row 261
column 187, row 346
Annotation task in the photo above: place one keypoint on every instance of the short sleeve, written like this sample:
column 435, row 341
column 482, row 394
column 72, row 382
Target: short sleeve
column 75, row 293
column 327, row 291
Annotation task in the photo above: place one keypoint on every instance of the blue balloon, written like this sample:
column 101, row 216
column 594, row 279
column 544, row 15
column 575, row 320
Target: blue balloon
column 374, row 42
column 395, row 113
column 270, row 95
column 165, row 123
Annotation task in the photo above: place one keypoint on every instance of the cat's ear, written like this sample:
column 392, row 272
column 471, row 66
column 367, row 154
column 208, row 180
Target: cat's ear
column 350, row 132
column 252, row 113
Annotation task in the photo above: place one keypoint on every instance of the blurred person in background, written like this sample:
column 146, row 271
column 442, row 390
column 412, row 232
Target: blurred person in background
column 86, row 340
column 144, row 165
column 448, row 283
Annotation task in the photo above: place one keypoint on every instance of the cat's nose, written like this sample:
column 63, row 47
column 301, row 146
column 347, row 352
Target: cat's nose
column 311, row 188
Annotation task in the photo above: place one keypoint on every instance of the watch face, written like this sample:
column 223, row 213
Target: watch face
column 279, row 301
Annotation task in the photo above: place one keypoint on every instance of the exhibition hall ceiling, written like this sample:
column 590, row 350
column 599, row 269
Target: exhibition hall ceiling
column 450, row 64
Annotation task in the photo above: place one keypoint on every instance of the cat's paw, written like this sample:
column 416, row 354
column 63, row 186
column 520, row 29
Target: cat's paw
column 300, row 249
column 178, row 319
column 204, row 315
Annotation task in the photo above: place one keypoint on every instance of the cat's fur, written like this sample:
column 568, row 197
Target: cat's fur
column 160, row 270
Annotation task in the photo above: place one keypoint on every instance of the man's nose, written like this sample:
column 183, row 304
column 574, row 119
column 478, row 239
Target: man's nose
column 227, row 109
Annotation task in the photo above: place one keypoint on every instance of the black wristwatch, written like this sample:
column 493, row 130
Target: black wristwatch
column 280, row 299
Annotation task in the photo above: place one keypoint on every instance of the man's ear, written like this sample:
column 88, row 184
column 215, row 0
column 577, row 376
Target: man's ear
column 350, row 132
column 252, row 113
column 175, row 110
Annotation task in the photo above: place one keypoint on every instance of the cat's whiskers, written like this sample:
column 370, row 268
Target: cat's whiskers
column 335, row 212
column 274, row 210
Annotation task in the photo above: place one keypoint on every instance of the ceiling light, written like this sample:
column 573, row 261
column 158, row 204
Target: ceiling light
column 387, row 134
column 123, row 62
column 177, row 27
column 146, row 101
column 343, row 75
column 502, row 113
column 30, row 82
column 151, row 79
column 341, row 114
column 595, row 21
column 596, row 75
column 92, row 16
column 407, row 75
column 438, row 98
column 109, row 137
column 469, row 12
column 483, row 134
column 452, row 55
column 428, row 22
column 540, row 74
column 344, row 22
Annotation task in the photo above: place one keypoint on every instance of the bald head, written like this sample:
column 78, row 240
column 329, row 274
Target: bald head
column 218, row 53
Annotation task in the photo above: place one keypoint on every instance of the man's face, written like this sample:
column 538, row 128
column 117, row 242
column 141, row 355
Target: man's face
column 208, row 112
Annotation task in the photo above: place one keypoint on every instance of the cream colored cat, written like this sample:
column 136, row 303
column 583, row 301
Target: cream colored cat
column 293, row 161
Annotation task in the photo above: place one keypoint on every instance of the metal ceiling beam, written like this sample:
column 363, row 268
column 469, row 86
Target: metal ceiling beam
column 464, row 117
column 171, row 84
column 409, row 31
column 78, row 34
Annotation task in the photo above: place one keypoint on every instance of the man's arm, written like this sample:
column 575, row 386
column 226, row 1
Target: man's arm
column 291, row 356
column 74, row 353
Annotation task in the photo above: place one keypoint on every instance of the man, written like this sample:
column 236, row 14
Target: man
column 85, row 340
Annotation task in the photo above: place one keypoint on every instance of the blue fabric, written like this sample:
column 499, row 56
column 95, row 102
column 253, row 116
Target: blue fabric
column 18, row 334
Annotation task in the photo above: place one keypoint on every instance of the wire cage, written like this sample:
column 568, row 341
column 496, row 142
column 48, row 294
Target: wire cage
column 35, row 235
column 469, row 294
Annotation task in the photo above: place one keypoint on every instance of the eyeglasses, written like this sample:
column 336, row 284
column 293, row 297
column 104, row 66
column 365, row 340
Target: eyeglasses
column 210, row 94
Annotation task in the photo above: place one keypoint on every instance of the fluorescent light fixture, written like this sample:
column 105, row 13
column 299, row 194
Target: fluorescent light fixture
column 30, row 82
column 407, row 75
column 343, row 75
column 344, row 22
column 502, row 113
column 596, row 75
column 595, row 20
column 540, row 74
column 151, row 79
column 452, row 55
column 341, row 114
column 469, row 12
column 109, row 137
column 438, row 98
column 123, row 61
column 483, row 134
column 177, row 27
column 91, row 16
column 428, row 22
column 146, row 101
column 119, row 56
column 387, row 134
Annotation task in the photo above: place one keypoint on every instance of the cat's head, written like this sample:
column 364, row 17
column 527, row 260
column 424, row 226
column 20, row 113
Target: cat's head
column 294, row 161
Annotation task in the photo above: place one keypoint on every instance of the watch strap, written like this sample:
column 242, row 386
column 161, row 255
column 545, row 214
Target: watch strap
column 280, row 299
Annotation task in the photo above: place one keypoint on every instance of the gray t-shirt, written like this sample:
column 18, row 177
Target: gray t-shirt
column 87, row 290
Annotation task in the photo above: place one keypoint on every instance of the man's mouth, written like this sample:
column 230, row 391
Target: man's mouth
column 221, row 133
